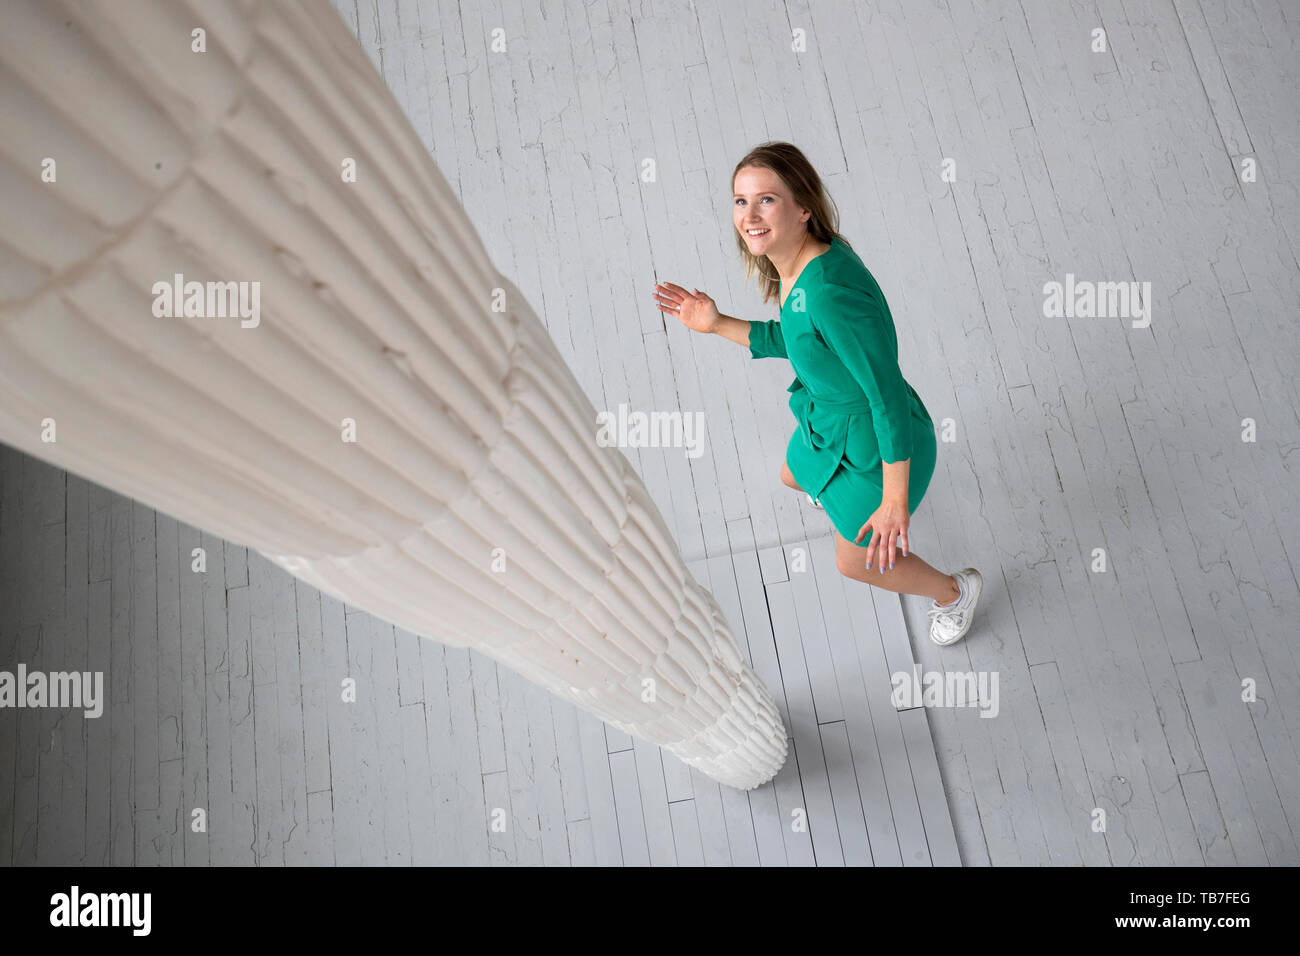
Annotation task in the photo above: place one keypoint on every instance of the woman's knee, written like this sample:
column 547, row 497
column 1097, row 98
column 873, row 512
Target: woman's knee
column 787, row 478
column 850, row 563
column 850, row 559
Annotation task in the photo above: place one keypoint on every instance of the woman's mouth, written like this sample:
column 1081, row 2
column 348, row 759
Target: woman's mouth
column 757, row 233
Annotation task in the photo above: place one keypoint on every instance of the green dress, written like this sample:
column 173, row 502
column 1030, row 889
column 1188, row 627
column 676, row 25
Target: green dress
column 853, row 407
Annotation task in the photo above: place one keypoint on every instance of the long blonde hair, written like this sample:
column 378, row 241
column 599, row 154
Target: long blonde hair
column 793, row 168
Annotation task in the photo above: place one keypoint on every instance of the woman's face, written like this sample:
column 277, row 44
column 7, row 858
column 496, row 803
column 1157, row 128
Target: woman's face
column 762, row 203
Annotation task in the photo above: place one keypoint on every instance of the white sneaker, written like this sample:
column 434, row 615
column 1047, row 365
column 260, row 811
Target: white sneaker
column 814, row 502
column 950, row 622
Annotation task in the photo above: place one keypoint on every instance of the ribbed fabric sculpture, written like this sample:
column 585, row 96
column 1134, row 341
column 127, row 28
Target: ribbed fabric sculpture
column 234, row 286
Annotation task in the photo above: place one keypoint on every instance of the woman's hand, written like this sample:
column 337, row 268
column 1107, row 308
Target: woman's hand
column 695, row 309
column 889, row 527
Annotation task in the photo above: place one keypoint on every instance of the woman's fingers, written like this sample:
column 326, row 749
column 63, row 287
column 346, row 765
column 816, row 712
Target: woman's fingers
column 882, row 547
column 673, row 295
column 665, row 292
column 891, row 545
column 676, row 294
column 668, row 303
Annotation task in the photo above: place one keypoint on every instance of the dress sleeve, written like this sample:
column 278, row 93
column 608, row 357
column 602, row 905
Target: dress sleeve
column 857, row 327
column 766, row 340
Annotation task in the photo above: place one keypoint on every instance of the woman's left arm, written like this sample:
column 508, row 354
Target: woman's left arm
column 896, row 474
column 857, row 326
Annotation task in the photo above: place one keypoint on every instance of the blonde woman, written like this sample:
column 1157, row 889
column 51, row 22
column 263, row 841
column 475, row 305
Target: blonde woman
column 864, row 447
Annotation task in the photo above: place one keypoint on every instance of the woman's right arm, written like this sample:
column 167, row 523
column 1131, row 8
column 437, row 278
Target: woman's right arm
column 737, row 330
column 763, row 339
column 699, row 313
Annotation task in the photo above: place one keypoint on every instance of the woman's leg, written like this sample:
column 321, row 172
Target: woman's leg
column 787, row 479
column 910, row 575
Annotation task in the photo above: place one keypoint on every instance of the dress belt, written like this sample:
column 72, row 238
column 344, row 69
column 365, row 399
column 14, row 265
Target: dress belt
column 848, row 406
column 851, row 406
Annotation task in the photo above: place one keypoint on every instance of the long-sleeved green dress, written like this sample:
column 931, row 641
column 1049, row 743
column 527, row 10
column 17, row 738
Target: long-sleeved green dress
column 853, row 407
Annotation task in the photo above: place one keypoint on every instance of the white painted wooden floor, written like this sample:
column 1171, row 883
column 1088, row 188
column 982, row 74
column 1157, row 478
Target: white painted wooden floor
column 1120, row 684
column 222, row 692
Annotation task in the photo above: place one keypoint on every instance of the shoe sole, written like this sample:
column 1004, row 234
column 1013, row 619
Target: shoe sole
column 978, row 587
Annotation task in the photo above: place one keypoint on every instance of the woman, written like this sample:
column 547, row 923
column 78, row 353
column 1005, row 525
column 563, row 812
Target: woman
column 864, row 448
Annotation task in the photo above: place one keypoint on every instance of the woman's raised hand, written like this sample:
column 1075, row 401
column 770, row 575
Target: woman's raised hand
column 695, row 309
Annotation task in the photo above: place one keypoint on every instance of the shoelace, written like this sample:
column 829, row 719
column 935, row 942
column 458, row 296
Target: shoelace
column 947, row 616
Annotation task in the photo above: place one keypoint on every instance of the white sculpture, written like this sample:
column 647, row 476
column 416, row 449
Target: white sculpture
column 234, row 286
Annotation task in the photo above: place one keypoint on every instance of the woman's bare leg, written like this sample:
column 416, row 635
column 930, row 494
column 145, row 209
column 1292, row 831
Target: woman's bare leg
column 787, row 479
column 909, row 575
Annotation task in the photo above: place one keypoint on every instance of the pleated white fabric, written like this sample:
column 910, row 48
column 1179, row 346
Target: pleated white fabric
column 474, row 506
